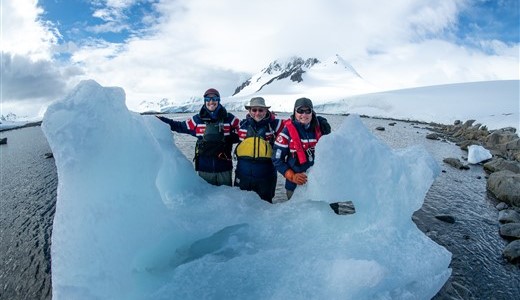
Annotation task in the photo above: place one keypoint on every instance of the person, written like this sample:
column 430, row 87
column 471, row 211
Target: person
column 255, row 170
column 293, row 152
column 216, row 132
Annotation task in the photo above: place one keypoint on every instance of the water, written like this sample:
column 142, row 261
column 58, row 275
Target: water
column 28, row 194
column 28, row 197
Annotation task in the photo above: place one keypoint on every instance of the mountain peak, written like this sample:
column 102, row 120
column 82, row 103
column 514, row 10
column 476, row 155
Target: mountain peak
column 290, row 72
column 291, row 63
column 293, row 68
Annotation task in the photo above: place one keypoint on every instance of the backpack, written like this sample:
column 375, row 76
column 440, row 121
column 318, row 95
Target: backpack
column 212, row 142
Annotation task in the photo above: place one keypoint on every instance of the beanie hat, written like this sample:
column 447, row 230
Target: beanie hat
column 303, row 102
column 212, row 91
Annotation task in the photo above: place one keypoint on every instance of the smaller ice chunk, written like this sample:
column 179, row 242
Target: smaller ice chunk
column 478, row 154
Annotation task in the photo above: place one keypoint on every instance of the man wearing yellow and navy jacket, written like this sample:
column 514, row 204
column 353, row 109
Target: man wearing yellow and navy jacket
column 255, row 170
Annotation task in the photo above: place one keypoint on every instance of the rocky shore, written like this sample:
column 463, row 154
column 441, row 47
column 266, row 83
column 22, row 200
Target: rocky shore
column 503, row 179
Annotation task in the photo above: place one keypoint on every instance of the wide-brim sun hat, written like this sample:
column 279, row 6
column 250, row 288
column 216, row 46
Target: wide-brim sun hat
column 257, row 102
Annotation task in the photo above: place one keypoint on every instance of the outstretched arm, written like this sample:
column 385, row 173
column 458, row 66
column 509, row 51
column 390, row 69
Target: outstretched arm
column 177, row 126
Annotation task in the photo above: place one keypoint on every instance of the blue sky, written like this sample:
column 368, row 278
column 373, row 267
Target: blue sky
column 158, row 49
column 77, row 20
column 488, row 20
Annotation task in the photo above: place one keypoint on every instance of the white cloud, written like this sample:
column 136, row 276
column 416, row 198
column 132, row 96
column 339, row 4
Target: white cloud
column 29, row 84
column 30, row 77
column 194, row 44
column 114, row 13
column 23, row 31
column 436, row 62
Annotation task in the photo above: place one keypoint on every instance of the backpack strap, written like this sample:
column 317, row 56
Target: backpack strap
column 295, row 141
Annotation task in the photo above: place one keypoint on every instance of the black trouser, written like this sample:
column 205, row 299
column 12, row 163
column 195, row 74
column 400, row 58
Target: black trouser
column 264, row 187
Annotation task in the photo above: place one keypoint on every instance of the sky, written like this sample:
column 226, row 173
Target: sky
column 177, row 49
column 135, row 221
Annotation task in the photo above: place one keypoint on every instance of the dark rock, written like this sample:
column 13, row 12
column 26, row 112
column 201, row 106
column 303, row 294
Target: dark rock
column 48, row 155
column 512, row 251
column 500, row 164
column 510, row 230
column 446, row 218
column 501, row 206
column 242, row 86
column 456, row 163
column 505, row 185
column 343, row 208
column 508, row 216
column 468, row 123
column 465, row 144
column 501, row 143
column 3, row 141
column 380, row 128
column 505, row 142
column 433, row 136
column 513, row 145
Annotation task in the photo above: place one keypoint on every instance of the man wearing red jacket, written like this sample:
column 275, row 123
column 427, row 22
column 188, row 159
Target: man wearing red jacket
column 216, row 131
column 293, row 151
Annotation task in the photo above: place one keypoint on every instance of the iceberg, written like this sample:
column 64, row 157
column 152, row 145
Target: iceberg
column 134, row 221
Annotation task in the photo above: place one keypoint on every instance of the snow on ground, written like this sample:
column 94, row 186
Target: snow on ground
column 495, row 104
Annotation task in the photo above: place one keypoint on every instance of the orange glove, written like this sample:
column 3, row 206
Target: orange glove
column 298, row 178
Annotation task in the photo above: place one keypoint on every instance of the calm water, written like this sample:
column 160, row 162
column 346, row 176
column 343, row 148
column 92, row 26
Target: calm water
column 28, row 195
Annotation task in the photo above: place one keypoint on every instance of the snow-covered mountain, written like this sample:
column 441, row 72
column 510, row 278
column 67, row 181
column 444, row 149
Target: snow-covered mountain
column 335, row 87
column 152, row 106
column 285, row 80
column 312, row 77
column 166, row 106
column 9, row 117
column 291, row 69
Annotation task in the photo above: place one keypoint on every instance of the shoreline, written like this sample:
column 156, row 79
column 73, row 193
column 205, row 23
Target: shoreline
column 29, row 124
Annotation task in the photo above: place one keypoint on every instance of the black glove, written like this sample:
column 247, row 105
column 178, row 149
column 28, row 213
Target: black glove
column 324, row 125
column 165, row 120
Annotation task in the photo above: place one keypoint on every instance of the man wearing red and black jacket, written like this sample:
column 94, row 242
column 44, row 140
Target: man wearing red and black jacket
column 293, row 151
column 216, row 131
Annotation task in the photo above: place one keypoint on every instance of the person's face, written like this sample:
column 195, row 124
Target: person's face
column 257, row 113
column 303, row 115
column 211, row 101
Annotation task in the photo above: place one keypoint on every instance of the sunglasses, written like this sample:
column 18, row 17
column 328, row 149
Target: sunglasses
column 260, row 110
column 307, row 111
column 207, row 99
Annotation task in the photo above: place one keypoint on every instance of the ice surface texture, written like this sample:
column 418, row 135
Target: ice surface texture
column 134, row 221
